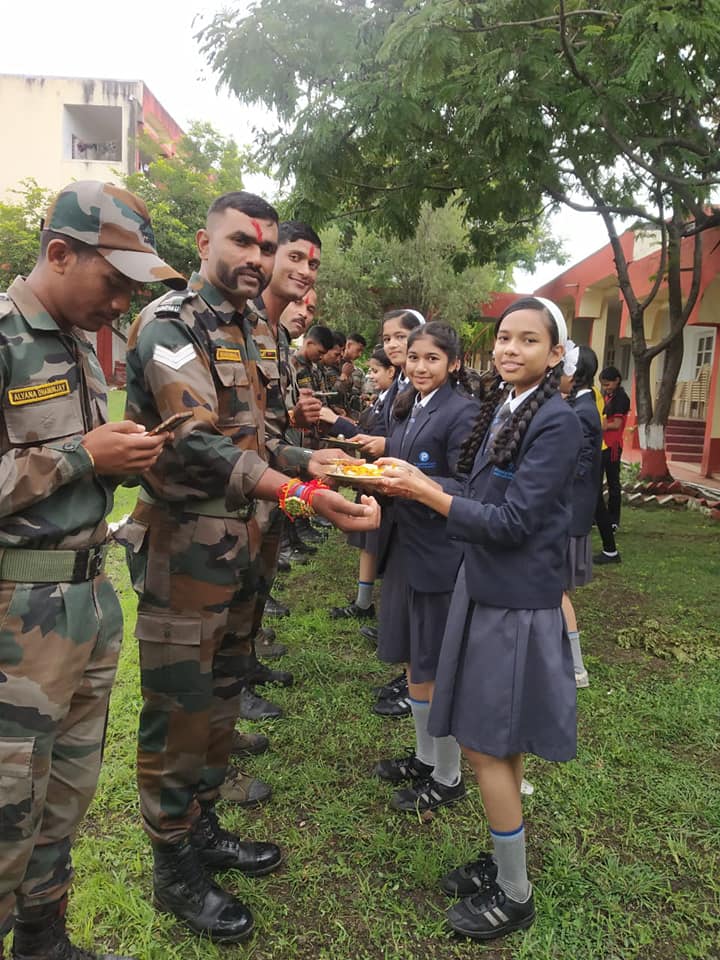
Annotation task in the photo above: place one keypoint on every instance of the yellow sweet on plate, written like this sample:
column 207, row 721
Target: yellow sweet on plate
column 359, row 469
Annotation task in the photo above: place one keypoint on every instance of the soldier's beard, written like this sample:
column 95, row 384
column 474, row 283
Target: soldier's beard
column 229, row 278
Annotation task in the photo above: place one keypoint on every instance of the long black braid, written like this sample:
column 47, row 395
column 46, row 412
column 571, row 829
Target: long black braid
column 584, row 375
column 495, row 391
column 506, row 442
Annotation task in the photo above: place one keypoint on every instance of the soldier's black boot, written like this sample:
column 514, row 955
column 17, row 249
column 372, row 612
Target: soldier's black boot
column 182, row 887
column 40, row 935
column 219, row 849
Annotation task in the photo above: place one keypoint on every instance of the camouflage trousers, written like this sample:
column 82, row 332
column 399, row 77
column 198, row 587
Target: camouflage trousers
column 196, row 579
column 59, row 646
column 268, row 562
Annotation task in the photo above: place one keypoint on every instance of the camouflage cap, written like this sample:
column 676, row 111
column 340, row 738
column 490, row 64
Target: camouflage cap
column 117, row 224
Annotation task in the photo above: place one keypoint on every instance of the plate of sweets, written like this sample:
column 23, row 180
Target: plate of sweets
column 356, row 474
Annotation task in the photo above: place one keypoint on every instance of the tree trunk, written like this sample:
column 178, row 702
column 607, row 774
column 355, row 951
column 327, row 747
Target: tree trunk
column 653, row 461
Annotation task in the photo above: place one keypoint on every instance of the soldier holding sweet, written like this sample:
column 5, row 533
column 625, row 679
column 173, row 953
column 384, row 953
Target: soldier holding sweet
column 193, row 546
column 61, row 623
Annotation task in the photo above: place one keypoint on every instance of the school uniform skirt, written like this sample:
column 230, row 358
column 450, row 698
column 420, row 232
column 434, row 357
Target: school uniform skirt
column 411, row 624
column 505, row 682
column 365, row 540
column 578, row 562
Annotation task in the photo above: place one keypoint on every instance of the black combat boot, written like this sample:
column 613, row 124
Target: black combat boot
column 219, row 849
column 40, row 935
column 182, row 887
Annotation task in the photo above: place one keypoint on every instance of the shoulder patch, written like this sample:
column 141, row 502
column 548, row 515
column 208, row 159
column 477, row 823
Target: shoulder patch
column 173, row 304
column 175, row 359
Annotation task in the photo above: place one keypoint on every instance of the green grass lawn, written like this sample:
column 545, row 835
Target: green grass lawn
column 624, row 843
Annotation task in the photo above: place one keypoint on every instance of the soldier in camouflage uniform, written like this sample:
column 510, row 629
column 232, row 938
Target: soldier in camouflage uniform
column 193, row 544
column 61, row 622
column 297, row 262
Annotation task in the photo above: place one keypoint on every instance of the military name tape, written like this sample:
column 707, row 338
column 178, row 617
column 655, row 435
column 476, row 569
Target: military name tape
column 38, row 392
column 268, row 354
column 226, row 353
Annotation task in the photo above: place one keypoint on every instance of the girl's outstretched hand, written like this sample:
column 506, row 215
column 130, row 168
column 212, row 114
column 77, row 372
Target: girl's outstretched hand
column 402, row 479
column 371, row 446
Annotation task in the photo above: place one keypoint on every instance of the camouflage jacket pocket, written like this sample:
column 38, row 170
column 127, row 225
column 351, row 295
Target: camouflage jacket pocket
column 270, row 370
column 170, row 657
column 39, row 421
column 16, row 787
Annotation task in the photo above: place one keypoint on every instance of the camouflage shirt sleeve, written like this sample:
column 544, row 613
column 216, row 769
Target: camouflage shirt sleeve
column 169, row 372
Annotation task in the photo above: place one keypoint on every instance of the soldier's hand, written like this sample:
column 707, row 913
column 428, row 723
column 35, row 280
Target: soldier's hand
column 347, row 370
column 307, row 409
column 123, row 448
column 346, row 515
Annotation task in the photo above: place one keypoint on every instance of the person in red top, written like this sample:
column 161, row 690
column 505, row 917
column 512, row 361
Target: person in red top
column 616, row 409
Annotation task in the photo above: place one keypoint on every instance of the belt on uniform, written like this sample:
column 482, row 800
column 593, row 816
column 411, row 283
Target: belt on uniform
column 51, row 566
column 214, row 507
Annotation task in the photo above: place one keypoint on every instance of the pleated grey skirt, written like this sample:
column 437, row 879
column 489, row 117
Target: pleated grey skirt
column 365, row 540
column 411, row 624
column 505, row 682
column 578, row 562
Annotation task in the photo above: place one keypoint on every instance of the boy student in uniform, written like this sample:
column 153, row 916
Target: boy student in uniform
column 420, row 562
column 578, row 389
column 505, row 683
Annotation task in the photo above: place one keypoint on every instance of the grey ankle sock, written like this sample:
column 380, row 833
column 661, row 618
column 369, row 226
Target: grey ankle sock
column 447, row 761
column 509, row 852
column 424, row 743
column 364, row 594
column 574, row 637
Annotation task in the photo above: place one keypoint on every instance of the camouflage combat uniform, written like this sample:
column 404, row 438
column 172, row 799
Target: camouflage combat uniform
column 61, row 630
column 193, row 543
column 282, row 395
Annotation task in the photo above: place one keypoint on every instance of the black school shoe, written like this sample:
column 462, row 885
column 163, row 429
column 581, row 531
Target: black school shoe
column 397, row 708
column 393, row 689
column 467, row 880
column 353, row 612
column 274, row 608
column 370, row 633
column 426, row 795
column 404, row 768
column 602, row 558
column 490, row 914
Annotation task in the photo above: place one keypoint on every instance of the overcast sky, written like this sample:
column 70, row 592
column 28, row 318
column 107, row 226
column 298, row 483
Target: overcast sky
column 153, row 41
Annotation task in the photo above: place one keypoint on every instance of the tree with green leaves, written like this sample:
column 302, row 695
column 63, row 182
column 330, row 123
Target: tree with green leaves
column 610, row 109
column 20, row 230
column 364, row 273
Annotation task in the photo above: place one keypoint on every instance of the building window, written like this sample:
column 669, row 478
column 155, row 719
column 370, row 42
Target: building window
column 704, row 353
column 93, row 133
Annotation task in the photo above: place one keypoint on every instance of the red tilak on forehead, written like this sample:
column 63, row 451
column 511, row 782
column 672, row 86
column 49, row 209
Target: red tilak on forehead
column 311, row 255
column 258, row 230
column 306, row 301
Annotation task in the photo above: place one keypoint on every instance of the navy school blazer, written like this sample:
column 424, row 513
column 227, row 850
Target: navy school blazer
column 430, row 559
column 380, row 420
column 514, row 522
column 586, row 483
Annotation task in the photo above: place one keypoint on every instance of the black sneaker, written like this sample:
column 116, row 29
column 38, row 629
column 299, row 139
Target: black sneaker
column 394, row 689
column 490, row 914
column 370, row 633
column 403, row 768
column 353, row 612
column 427, row 795
column 393, row 708
column 253, row 707
column 601, row 558
column 471, row 877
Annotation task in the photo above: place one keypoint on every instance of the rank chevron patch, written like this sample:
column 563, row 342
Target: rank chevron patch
column 175, row 359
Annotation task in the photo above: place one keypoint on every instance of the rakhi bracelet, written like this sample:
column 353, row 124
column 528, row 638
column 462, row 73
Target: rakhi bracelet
column 291, row 500
column 311, row 489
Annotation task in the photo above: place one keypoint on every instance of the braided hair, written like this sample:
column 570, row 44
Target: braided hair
column 508, row 439
column 584, row 373
column 446, row 339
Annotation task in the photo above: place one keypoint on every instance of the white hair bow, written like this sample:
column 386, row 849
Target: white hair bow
column 570, row 360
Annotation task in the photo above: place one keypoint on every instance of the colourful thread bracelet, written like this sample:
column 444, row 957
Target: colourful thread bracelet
column 295, row 498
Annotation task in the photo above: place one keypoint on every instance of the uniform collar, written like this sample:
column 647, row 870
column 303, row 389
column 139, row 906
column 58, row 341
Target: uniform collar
column 33, row 312
column 222, row 308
